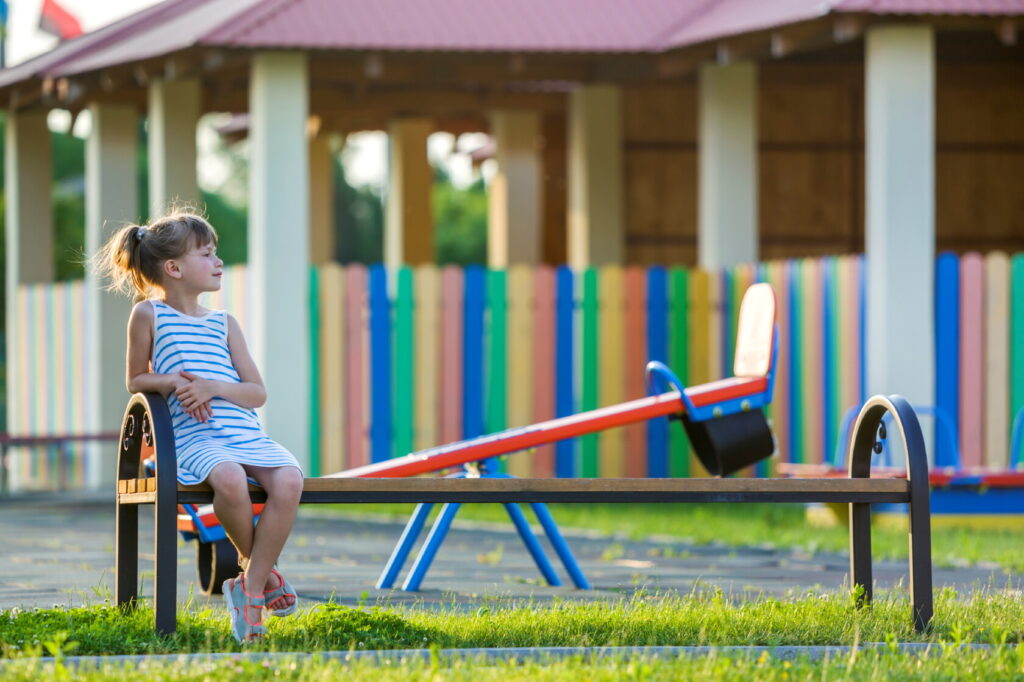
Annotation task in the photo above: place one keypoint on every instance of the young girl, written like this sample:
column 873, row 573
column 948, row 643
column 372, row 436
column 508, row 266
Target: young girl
column 198, row 359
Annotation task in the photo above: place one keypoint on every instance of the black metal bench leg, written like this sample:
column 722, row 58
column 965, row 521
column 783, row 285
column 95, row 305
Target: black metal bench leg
column 126, row 555
column 860, row 551
column 920, row 553
column 166, row 563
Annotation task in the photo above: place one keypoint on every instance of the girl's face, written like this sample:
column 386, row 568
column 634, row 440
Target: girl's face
column 200, row 268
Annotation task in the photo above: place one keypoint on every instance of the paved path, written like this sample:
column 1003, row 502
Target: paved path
column 61, row 552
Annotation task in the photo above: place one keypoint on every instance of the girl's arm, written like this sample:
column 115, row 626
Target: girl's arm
column 249, row 393
column 139, row 378
column 140, row 347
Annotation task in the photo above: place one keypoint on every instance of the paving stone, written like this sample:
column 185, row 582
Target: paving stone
column 59, row 550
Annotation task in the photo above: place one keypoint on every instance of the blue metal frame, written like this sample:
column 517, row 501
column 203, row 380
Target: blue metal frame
column 721, row 409
column 414, row 527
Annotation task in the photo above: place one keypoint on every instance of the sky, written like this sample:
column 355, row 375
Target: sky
column 364, row 155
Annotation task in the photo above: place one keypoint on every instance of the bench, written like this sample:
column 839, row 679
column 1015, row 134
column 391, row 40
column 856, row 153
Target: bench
column 146, row 433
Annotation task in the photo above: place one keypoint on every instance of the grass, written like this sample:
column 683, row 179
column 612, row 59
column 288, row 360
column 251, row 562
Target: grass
column 780, row 525
column 988, row 616
column 1005, row 663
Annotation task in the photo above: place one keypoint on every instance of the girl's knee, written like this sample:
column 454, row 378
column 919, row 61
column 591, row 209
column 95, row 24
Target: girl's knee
column 288, row 483
column 229, row 480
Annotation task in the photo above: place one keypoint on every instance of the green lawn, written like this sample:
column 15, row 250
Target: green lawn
column 988, row 616
column 781, row 525
column 1006, row 663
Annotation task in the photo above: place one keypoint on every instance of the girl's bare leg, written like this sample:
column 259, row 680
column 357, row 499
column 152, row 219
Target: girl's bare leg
column 232, row 505
column 284, row 487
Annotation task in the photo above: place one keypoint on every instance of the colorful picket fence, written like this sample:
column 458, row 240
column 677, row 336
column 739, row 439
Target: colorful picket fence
column 412, row 358
column 419, row 357
column 47, row 380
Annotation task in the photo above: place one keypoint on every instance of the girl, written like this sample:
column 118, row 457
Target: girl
column 198, row 359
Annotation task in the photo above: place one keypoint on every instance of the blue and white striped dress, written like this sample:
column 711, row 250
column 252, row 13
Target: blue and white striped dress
column 199, row 345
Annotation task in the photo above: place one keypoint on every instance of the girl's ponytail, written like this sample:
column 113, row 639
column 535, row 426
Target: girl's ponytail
column 120, row 261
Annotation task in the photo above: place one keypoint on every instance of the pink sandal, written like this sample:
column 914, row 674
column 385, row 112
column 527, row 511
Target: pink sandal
column 239, row 602
column 284, row 589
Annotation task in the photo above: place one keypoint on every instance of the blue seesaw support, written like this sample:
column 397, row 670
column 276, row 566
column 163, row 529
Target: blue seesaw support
column 414, row 527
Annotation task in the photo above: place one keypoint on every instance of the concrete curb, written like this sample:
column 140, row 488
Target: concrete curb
column 516, row 654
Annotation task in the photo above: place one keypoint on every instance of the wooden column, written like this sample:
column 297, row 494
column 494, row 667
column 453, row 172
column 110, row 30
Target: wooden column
column 900, row 196
column 727, row 166
column 321, row 200
column 515, row 196
column 409, row 222
column 596, row 209
column 279, row 243
column 28, row 169
column 110, row 154
column 173, row 115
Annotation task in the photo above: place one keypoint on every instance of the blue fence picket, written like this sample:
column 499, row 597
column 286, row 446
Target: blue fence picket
column 657, row 349
column 473, row 423
column 380, row 366
column 565, row 377
column 947, row 349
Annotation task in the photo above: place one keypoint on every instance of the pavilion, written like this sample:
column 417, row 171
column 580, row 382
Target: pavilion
column 707, row 131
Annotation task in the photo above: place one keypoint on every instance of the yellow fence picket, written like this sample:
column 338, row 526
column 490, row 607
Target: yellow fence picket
column 428, row 355
column 332, row 367
column 520, row 358
column 611, row 297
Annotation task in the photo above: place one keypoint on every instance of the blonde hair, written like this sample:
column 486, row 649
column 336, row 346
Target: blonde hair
column 133, row 258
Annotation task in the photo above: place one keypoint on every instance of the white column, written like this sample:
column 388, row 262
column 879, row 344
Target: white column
column 900, row 195
column 279, row 243
column 28, row 169
column 596, row 209
column 110, row 155
column 408, row 220
column 321, row 200
column 173, row 115
column 514, row 198
column 727, row 172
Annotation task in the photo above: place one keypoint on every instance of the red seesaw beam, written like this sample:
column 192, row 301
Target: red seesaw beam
column 511, row 440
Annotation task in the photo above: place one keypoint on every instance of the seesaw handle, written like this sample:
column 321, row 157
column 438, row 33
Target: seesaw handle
column 655, row 369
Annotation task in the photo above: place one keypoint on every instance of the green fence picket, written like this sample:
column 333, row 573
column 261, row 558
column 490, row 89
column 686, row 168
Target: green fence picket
column 497, row 354
column 678, row 352
column 589, row 400
column 404, row 368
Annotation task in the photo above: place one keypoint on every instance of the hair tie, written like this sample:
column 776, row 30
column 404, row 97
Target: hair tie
column 140, row 230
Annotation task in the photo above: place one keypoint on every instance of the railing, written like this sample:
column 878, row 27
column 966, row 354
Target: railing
column 58, row 443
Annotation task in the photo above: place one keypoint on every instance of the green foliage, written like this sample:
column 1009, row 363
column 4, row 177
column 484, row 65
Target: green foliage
column 460, row 221
column 231, row 222
column 358, row 221
column 103, row 629
column 459, row 215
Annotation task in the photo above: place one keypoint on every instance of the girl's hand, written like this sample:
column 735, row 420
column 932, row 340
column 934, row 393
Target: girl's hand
column 201, row 413
column 195, row 395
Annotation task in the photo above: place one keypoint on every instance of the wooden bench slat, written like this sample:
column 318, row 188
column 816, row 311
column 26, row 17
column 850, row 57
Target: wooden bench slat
column 497, row 485
column 614, row 490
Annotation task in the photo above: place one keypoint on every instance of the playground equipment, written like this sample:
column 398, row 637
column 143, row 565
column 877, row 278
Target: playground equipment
column 724, row 420
column 960, row 496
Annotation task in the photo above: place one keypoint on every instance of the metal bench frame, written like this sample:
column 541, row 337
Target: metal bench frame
column 147, row 421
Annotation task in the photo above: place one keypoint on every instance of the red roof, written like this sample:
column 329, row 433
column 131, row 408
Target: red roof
column 580, row 26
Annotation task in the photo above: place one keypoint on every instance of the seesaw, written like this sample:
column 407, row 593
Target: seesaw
column 724, row 421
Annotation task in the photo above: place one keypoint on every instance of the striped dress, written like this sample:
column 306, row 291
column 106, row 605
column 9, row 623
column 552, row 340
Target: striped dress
column 199, row 345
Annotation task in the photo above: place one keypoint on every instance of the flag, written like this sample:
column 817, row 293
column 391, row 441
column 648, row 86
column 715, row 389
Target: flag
column 57, row 21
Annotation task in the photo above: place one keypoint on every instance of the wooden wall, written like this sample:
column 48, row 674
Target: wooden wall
column 811, row 128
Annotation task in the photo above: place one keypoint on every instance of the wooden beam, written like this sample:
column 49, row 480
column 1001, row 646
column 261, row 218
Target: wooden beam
column 847, row 27
column 1006, row 30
